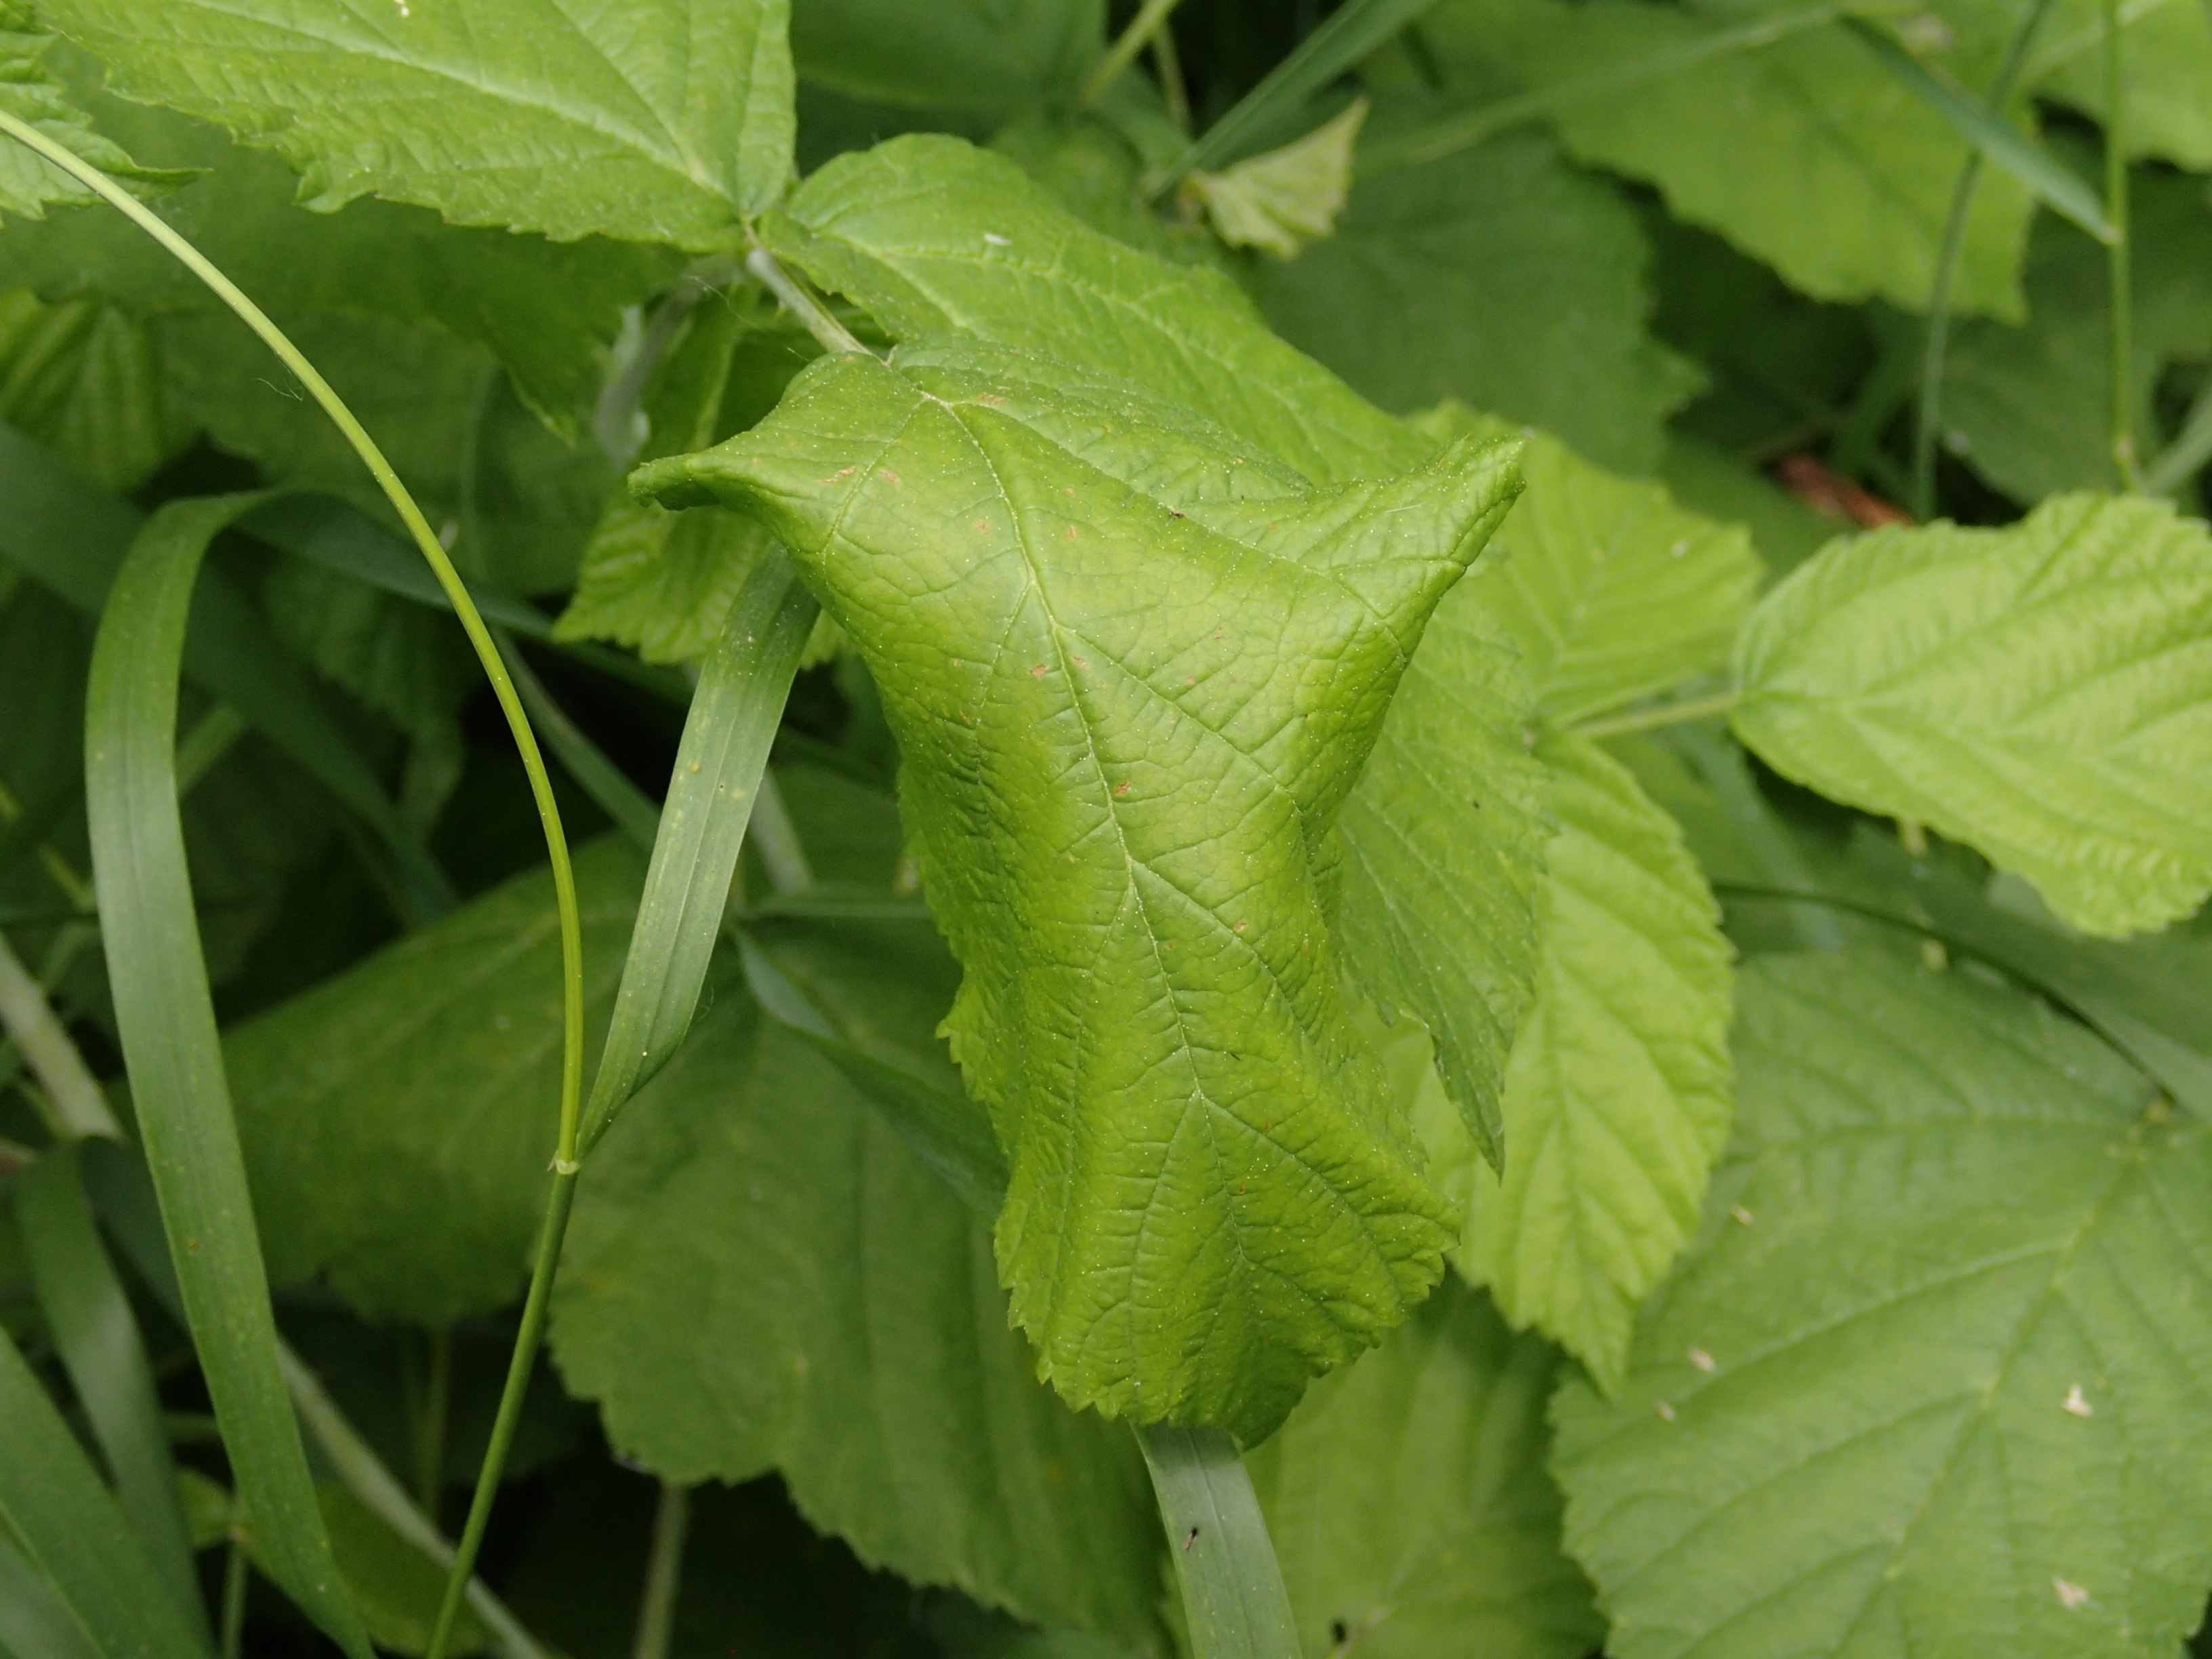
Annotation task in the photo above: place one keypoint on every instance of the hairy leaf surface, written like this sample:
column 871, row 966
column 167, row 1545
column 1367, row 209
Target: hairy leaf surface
column 1935, row 1373
column 936, row 238
column 1502, row 277
column 649, row 120
column 396, row 1119
column 1617, row 1096
column 2042, row 693
column 1134, row 672
column 762, row 1275
column 1804, row 151
column 1409, row 1505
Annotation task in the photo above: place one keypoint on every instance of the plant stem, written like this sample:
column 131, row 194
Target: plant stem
column 1169, row 65
column 663, row 1573
column 533, row 764
column 1928, row 420
column 26, row 1015
column 2190, row 449
column 521, row 1364
column 234, row 1600
column 1123, row 52
column 430, row 1426
column 1665, row 714
column 811, row 314
column 2124, row 465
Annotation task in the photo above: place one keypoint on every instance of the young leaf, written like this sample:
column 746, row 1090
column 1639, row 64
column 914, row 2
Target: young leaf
column 648, row 120
column 1611, row 590
column 933, row 237
column 1502, row 277
column 430, row 1062
column 1617, row 1096
column 1804, row 152
column 1287, row 197
column 166, row 1017
column 1410, row 1503
column 53, row 1506
column 2042, row 693
column 1936, row 1365
column 739, row 1297
column 1134, row 673
column 29, row 91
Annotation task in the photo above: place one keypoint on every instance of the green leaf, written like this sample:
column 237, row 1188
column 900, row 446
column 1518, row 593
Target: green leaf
column 34, row 1620
column 30, row 93
column 1936, row 1367
column 65, row 1523
column 1445, row 924
column 1503, row 278
column 739, row 1298
column 401, row 659
column 1618, row 1093
column 431, row 1063
column 2042, row 693
column 80, row 378
column 1804, row 152
column 97, row 1335
column 986, row 56
column 2029, row 408
column 1710, row 482
column 1287, row 197
column 1134, row 672
column 165, row 1019
column 1611, row 590
column 1234, row 1602
column 1411, row 1505
column 649, row 120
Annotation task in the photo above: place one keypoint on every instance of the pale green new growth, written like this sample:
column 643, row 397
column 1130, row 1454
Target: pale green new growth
column 1134, row 671
column 1933, row 1376
column 651, row 120
column 1618, row 1094
column 2042, row 693
column 1443, row 837
column 1287, row 197
column 1410, row 1504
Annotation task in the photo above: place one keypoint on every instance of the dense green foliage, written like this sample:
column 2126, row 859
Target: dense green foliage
column 1390, row 825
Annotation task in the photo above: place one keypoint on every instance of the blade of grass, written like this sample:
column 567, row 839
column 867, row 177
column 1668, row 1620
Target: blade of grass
column 70, row 1527
column 633, row 813
column 123, row 1193
column 34, row 1620
column 1352, row 33
column 1152, row 17
column 2003, row 145
column 2125, row 468
column 1928, row 421
column 2190, row 449
column 26, row 1015
column 97, row 1338
column 1232, row 1587
column 663, row 1573
column 165, row 1014
column 719, row 765
column 72, row 537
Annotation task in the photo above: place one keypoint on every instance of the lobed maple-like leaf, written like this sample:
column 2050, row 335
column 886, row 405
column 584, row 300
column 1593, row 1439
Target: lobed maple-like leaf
column 1135, row 669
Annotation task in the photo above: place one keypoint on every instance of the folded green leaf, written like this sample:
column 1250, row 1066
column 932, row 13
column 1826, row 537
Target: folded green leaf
column 428, row 1062
column 1936, row 1362
column 1134, row 672
column 53, row 1506
column 1618, row 1094
column 2042, row 693
column 933, row 238
column 650, row 120
column 1410, row 1503
column 1612, row 592
column 166, row 1018
column 738, row 1297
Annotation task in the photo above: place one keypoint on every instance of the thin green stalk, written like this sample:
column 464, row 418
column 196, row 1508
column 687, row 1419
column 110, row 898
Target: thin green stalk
column 1151, row 17
column 1169, row 65
column 433, row 554
column 520, row 1363
column 233, row 1599
column 2125, row 468
column 793, row 296
column 430, row 1424
column 2190, row 449
column 75, row 1094
column 1928, row 417
column 1665, row 714
column 663, row 1573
